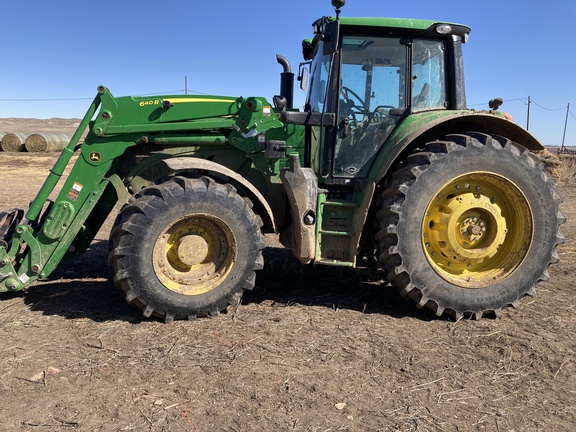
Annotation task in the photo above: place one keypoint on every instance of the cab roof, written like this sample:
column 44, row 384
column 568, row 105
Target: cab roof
column 397, row 25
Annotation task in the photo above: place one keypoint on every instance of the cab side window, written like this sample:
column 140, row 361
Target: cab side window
column 428, row 75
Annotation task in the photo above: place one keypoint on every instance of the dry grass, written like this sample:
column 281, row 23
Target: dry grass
column 568, row 173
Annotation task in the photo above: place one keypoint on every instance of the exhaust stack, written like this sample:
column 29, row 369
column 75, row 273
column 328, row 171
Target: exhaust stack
column 286, row 81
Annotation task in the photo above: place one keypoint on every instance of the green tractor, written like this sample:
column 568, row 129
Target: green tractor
column 384, row 165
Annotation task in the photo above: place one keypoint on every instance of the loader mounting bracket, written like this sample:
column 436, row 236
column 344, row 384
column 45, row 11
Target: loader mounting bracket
column 9, row 220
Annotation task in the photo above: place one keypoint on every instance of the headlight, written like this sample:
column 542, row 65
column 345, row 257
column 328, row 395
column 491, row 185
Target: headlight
column 444, row 29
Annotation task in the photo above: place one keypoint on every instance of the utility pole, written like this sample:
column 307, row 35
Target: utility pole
column 528, row 116
column 565, row 124
column 185, row 84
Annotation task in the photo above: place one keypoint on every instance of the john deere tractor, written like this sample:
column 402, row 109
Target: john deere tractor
column 383, row 164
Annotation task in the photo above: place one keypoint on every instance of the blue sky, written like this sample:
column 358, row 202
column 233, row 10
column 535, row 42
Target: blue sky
column 54, row 54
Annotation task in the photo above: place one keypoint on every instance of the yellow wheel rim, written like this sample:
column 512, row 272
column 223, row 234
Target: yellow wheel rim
column 194, row 254
column 477, row 230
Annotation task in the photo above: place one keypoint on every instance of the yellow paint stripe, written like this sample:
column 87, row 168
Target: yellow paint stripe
column 187, row 100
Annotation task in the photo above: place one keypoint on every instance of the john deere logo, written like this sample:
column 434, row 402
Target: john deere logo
column 95, row 157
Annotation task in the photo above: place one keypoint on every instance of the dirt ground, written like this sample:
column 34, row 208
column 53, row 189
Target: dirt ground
column 310, row 349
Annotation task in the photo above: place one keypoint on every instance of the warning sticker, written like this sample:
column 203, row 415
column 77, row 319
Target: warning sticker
column 74, row 191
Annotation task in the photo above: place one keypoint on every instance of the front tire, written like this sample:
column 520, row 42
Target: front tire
column 469, row 225
column 185, row 248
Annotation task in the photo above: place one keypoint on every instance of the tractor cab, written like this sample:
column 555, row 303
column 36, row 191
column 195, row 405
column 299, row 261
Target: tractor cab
column 363, row 76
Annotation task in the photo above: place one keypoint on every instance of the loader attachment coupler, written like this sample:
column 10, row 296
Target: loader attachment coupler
column 9, row 220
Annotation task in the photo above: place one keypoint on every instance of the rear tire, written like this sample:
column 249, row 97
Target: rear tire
column 186, row 248
column 469, row 225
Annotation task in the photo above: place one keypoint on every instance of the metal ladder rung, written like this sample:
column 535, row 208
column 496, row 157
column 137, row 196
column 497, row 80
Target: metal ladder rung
column 336, row 233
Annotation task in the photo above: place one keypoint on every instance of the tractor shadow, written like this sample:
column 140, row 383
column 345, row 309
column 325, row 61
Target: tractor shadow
column 284, row 280
column 83, row 288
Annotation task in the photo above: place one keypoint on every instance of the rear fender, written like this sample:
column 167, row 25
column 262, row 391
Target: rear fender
column 422, row 128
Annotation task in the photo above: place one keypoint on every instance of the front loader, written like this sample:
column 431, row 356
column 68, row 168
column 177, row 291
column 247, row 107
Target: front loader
column 384, row 164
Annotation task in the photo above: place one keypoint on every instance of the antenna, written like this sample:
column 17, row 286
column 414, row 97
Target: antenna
column 338, row 4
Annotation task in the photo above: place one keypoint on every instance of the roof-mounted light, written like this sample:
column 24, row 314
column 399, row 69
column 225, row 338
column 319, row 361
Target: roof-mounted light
column 444, row 29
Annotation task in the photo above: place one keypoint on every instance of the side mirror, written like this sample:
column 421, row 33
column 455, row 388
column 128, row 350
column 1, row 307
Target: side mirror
column 303, row 73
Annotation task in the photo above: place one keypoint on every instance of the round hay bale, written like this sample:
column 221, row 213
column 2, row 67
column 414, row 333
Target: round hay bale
column 13, row 142
column 46, row 142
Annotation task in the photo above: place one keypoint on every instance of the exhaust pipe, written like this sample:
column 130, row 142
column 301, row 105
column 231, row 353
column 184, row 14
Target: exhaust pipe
column 286, row 81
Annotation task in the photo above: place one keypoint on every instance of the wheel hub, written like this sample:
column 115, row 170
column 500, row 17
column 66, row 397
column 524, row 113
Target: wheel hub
column 473, row 229
column 470, row 227
column 476, row 230
column 192, row 249
column 194, row 254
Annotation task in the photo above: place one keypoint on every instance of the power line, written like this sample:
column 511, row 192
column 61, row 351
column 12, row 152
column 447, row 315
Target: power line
column 44, row 100
column 507, row 100
column 525, row 102
column 83, row 99
column 544, row 108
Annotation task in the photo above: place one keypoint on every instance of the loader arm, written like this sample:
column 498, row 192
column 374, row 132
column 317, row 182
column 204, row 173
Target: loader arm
column 35, row 246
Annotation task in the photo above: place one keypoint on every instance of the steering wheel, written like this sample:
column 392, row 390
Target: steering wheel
column 346, row 91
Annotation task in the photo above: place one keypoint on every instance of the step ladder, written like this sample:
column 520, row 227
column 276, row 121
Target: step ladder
column 336, row 235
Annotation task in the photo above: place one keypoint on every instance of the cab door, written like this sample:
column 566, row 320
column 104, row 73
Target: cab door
column 381, row 80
